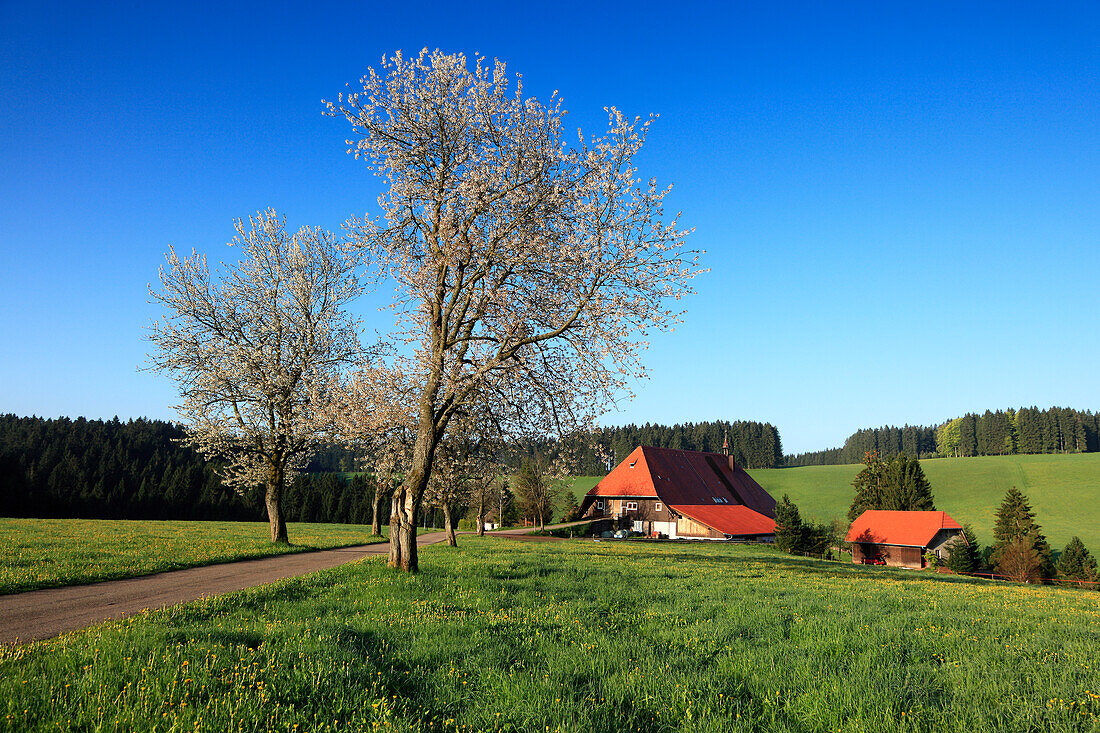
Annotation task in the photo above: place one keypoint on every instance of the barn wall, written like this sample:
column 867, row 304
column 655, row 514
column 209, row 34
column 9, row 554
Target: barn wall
column 687, row 527
column 904, row 557
column 895, row 555
column 941, row 544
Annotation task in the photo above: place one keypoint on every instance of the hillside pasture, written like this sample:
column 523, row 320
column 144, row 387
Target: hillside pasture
column 1064, row 491
column 581, row 636
column 583, row 484
column 47, row 553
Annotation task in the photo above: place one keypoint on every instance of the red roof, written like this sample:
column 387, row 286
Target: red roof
column 630, row 478
column 913, row 529
column 728, row 519
column 684, row 478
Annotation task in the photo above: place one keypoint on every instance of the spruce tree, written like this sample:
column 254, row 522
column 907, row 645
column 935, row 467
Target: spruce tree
column 869, row 485
column 898, row 485
column 1077, row 563
column 1014, row 528
column 965, row 556
column 906, row 487
column 789, row 530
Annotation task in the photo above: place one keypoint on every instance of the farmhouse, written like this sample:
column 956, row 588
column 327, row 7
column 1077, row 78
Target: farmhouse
column 681, row 493
column 901, row 539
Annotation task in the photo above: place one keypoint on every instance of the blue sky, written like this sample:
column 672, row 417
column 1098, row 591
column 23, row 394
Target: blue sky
column 900, row 203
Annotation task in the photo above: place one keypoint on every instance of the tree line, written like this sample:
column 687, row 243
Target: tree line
column 109, row 469
column 141, row 469
column 1027, row 430
column 751, row 444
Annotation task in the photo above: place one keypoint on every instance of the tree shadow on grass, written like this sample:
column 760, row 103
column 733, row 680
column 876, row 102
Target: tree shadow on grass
column 811, row 566
column 391, row 676
column 222, row 637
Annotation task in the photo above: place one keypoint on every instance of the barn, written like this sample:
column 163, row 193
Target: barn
column 681, row 493
column 902, row 539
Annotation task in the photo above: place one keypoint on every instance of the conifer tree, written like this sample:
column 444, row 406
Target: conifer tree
column 898, row 485
column 1016, row 527
column 789, row 530
column 869, row 485
column 1077, row 563
column 965, row 557
column 906, row 488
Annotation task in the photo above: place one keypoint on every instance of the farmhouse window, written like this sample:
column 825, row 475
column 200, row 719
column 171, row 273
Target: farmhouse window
column 657, row 506
column 599, row 505
column 631, row 505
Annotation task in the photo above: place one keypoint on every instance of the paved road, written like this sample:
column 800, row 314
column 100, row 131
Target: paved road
column 40, row 614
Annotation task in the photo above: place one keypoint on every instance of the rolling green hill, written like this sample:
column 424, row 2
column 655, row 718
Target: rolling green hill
column 1064, row 491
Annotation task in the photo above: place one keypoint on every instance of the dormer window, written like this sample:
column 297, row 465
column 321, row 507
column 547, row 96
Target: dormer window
column 632, row 463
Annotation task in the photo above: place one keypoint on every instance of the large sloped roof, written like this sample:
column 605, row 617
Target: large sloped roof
column 914, row 529
column 728, row 519
column 700, row 485
column 630, row 478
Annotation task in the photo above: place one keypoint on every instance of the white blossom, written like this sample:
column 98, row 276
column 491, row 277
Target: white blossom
column 258, row 353
column 527, row 268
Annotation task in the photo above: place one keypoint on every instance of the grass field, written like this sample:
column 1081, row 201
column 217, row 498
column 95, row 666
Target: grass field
column 581, row 636
column 1064, row 491
column 44, row 553
column 582, row 484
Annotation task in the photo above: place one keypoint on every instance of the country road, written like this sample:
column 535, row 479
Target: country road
column 41, row 614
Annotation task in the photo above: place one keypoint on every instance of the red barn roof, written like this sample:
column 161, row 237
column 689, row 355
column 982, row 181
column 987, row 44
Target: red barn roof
column 913, row 529
column 728, row 519
column 708, row 487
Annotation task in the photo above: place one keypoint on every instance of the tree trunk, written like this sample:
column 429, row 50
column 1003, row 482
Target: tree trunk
column 406, row 499
column 403, row 536
column 396, row 527
column 273, row 498
column 481, row 515
column 448, row 527
column 376, row 524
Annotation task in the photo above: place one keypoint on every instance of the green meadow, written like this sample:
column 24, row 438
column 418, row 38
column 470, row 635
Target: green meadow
column 1064, row 491
column 45, row 553
column 581, row 636
column 582, row 485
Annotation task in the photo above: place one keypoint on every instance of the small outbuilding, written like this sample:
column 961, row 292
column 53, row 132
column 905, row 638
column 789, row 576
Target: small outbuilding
column 683, row 494
column 902, row 539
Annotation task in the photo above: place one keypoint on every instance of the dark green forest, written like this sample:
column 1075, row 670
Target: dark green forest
column 137, row 469
column 1004, row 432
column 752, row 444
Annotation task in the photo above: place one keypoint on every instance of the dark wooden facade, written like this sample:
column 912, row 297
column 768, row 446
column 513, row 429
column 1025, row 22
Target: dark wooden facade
column 898, row 556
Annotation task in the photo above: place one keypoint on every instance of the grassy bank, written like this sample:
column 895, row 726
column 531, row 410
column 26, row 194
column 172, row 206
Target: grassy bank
column 581, row 636
column 1064, row 491
column 46, row 553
